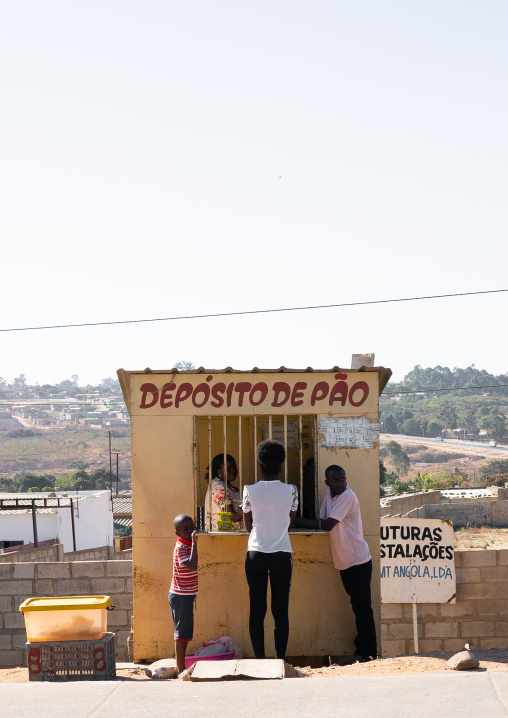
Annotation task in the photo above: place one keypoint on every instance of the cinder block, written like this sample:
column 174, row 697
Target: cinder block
column 454, row 610
column 443, row 629
column 54, row 570
column 391, row 610
column 44, row 587
column 119, row 568
column 23, row 570
column 11, row 659
column 6, row 570
column 121, row 645
column 403, row 630
column 501, row 628
column 457, row 557
column 502, row 557
column 87, row 569
column 426, row 645
column 478, row 591
column 9, row 587
column 14, row 620
column 384, row 631
column 5, row 642
column 495, row 607
column 123, row 600
column 422, row 610
column 72, row 586
column 494, row 573
column 477, row 629
column 393, row 648
column 468, row 575
column 500, row 590
column 453, row 644
column 19, row 640
column 5, row 603
column 484, row 644
column 108, row 586
column 117, row 618
column 479, row 557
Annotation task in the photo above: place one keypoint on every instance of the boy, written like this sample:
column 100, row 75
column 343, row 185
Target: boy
column 184, row 585
column 340, row 515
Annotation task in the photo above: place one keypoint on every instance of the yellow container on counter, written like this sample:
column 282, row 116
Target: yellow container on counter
column 66, row 618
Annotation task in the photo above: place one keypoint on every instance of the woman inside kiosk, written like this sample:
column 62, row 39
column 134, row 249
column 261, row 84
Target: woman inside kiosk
column 215, row 500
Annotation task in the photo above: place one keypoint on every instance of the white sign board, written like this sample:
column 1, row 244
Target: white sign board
column 293, row 434
column 417, row 561
column 351, row 433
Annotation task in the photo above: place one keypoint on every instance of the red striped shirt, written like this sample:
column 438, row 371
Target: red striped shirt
column 184, row 580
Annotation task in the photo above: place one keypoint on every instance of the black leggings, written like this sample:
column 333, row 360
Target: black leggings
column 279, row 566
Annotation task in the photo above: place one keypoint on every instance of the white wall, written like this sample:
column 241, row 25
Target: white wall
column 19, row 526
column 93, row 522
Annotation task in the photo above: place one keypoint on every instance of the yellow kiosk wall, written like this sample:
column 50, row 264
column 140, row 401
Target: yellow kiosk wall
column 163, row 485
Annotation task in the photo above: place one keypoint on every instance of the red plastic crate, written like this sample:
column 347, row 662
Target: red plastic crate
column 72, row 660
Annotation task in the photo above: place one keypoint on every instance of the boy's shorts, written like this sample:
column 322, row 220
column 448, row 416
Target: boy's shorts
column 182, row 610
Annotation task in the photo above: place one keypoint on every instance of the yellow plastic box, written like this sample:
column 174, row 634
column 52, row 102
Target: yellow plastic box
column 66, row 618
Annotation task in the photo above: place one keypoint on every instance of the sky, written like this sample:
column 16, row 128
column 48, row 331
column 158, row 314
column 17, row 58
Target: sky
column 162, row 159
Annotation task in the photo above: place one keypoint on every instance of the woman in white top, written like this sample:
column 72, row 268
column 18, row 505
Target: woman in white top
column 216, row 499
column 269, row 507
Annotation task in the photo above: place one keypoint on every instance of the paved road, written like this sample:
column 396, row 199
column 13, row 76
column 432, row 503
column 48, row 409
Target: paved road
column 440, row 695
column 448, row 442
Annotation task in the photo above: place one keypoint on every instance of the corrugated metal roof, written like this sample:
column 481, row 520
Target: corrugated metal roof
column 122, row 505
column 123, row 521
column 13, row 512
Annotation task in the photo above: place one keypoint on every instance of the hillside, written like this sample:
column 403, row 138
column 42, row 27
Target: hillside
column 54, row 450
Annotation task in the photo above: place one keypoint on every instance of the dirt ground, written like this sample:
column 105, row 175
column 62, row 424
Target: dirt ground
column 495, row 659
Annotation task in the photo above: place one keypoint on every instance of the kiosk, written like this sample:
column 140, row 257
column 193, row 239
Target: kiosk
column 180, row 420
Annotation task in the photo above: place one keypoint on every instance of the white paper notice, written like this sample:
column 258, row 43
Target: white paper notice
column 352, row 433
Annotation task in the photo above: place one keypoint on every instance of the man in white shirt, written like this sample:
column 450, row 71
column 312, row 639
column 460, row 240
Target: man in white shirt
column 340, row 515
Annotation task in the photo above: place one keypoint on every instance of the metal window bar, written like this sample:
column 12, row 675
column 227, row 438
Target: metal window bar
column 240, row 468
column 210, row 477
column 251, row 472
column 224, row 429
column 286, row 448
column 300, row 442
column 255, row 445
column 314, row 446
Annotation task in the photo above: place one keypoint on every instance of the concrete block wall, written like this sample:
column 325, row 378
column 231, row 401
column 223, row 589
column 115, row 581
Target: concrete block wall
column 478, row 513
column 56, row 553
column 19, row 581
column 42, row 553
column 400, row 505
column 479, row 617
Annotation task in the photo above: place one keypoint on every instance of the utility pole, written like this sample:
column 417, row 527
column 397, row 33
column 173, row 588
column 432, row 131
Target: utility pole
column 117, row 453
column 110, row 466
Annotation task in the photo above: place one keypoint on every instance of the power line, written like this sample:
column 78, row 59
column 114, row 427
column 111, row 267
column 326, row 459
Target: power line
column 253, row 311
column 456, row 388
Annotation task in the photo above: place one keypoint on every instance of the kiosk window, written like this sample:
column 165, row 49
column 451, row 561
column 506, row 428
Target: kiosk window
column 238, row 436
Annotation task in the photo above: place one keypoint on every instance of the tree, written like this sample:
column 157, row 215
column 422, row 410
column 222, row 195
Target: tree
column 411, row 427
column 390, row 425
column 496, row 424
column 184, row 365
column 100, row 479
column 448, row 414
column 433, row 429
column 399, row 459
